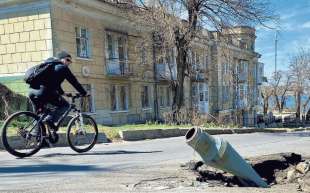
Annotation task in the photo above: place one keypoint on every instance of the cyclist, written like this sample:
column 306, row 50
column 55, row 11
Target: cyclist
column 49, row 90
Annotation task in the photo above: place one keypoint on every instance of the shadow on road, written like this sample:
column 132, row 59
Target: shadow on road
column 45, row 168
column 99, row 153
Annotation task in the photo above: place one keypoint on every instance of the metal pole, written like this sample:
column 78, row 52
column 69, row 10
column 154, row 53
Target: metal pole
column 276, row 52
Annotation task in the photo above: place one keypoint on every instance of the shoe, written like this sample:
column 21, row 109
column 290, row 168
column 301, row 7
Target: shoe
column 46, row 144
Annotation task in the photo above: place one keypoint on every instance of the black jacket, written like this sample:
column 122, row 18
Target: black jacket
column 53, row 80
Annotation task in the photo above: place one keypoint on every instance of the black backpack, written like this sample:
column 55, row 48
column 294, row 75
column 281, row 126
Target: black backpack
column 37, row 74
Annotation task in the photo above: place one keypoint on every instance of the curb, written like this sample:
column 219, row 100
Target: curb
column 64, row 143
column 135, row 135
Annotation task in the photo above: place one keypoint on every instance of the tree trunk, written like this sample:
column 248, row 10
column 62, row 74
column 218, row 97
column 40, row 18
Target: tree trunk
column 278, row 102
column 298, row 104
column 178, row 98
column 304, row 111
column 266, row 106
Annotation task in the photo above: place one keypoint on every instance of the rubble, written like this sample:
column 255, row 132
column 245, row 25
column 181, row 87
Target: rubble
column 275, row 169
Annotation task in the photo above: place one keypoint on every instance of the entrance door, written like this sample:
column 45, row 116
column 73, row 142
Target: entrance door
column 203, row 91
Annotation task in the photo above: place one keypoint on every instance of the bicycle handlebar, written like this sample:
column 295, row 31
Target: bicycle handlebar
column 75, row 95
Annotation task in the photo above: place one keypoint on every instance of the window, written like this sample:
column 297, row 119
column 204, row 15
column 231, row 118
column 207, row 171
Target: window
column 168, row 96
column 194, row 89
column 242, row 67
column 123, row 98
column 226, row 93
column 116, row 53
column 243, row 93
column 113, row 98
column 82, row 42
column 164, row 96
column 206, row 93
column 195, row 60
column 243, row 44
column 143, row 55
column 86, row 103
column 203, row 92
column 226, row 68
column 110, row 47
column 145, row 97
column 161, row 96
column 119, row 97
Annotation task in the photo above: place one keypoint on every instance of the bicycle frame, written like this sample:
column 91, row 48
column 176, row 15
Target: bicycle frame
column 72, row 107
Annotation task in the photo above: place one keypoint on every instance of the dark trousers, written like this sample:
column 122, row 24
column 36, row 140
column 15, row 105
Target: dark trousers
column 41, row 97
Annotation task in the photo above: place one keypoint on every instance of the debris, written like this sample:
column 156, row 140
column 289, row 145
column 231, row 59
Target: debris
column 291, row 175
column 303, row 167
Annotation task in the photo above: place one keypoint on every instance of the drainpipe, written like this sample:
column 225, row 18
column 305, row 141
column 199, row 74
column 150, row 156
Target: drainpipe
column 218, row 153
column 156, row 113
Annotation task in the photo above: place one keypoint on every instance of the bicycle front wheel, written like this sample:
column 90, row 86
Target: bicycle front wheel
column 82, row 133
column 22, row 134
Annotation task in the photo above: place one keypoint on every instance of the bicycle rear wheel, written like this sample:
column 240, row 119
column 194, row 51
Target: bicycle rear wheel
column 82, row 134
column 21, row 134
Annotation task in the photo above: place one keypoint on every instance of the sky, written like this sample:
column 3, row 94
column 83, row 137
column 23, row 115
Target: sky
column 294, row 34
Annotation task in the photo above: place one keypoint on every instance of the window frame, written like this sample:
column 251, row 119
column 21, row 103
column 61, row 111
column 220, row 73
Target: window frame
column 79, row 40
column 145, row 97
column 119, row 102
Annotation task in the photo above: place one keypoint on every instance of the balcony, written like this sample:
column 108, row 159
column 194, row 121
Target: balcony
column 242, row 103
column 242, row 77
column 198, row 73
column 118, row 68
column 199, row 77
column 163, row 72
column 260, row 80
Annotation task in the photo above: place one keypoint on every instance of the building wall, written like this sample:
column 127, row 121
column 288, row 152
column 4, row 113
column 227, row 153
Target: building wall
column 25, row 35
column 232, row 53
column 99, row 19
column 35, row 30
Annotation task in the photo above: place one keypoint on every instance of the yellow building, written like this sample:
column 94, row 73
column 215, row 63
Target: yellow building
column 238, row 76
column 114, row 59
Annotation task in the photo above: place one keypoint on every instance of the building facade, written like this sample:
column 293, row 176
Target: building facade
column 115, row 60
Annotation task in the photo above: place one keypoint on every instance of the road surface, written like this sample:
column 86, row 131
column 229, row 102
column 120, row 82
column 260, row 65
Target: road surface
column 132, row 166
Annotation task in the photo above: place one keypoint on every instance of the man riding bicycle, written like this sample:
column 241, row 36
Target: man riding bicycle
column 49, row 90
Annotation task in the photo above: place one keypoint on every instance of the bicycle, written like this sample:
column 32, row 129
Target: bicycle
column 24, row 133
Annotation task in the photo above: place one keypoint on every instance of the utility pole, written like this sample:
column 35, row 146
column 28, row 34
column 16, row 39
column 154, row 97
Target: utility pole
column 276, row 52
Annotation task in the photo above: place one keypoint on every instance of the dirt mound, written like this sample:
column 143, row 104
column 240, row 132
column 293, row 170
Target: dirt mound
column 274, row 169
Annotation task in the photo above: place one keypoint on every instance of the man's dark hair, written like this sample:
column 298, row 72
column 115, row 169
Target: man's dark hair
column 63, row 54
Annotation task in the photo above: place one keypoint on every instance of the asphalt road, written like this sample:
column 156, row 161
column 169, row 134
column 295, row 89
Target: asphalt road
column 121, row 166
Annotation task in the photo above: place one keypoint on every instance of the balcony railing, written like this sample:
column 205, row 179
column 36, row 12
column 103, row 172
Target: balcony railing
column 198, row 73
column 199, row 76
column 260, row 80
column 164, row 73
column 242, row 103
column 116, row 67
column 242, row 76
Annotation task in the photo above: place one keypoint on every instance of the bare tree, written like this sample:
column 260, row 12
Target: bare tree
column 299, row 71
column 266, row 93
column 280, row 83
column 180, row 22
